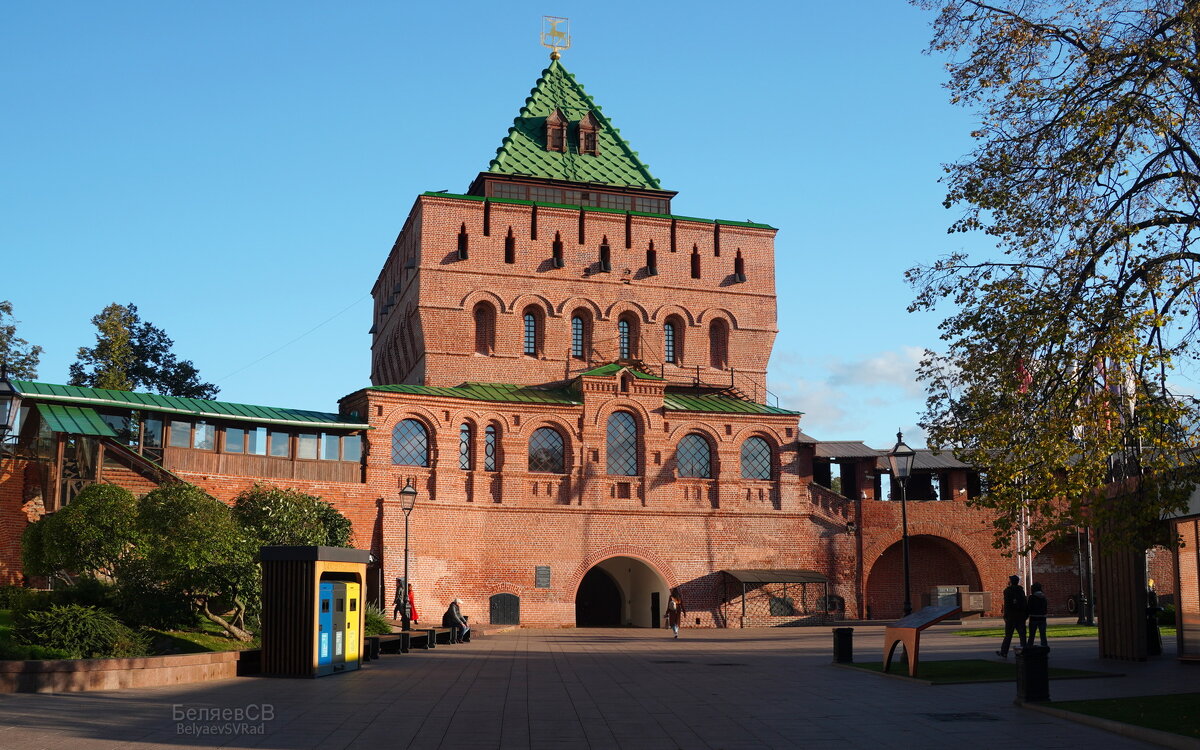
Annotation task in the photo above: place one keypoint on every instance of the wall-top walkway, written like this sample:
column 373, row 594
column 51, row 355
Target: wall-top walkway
column 599, row 689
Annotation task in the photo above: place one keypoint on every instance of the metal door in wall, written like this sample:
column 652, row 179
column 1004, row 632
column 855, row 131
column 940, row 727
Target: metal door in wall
column 504, row 609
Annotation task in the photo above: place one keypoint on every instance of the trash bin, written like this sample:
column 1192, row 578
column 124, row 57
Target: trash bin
column 1033, row 675
column 312, row 613
column 843, row 645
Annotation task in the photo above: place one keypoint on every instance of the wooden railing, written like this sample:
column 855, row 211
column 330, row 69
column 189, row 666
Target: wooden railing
column 268, row 467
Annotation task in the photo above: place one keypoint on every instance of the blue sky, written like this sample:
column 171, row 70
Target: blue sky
column 240, row 170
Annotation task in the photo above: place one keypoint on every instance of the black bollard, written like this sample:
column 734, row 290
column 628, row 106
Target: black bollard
column 1033, row 675
column 843, row 645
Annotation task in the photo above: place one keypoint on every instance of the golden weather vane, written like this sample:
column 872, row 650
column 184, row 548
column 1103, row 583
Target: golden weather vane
column 556, row 34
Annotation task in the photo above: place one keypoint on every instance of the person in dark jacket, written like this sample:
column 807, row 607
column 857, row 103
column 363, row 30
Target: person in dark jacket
column 454, row 618
column 1037, row 613
column 1015, row 612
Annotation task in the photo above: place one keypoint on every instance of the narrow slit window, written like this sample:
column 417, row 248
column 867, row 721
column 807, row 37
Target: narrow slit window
column 463, row 242
column 739, row 267
column 695, row 262
column 623, row 338
column 669, row 342
column 531, row 334
column 605, row 256
column 556, row 250
column 510, row 248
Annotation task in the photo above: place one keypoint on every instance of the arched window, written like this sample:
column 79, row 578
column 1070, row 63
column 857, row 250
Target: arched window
column 693, row 457
column 464, row 447
column 756, row 459
column 627, row 337
column 490, row 455
column 546, row 451
column 718, row 344
column 410, row 443
column 485, row 328
column 578, row 337
column 669, row 353
column 622, row 445
column 532, row 345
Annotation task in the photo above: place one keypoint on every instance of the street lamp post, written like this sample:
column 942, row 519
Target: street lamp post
column 901, row 460
column 408, row 498
column 10, row 406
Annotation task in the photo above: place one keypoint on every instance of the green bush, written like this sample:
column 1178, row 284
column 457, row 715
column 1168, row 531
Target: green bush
column 14, row 597
column 82, row 632
column 376, row 622
column 22, row 652
column 1167, row 615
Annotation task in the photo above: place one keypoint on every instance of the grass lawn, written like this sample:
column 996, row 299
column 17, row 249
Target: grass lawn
column 207, row 637
column 968, row 670
column 1052, row 631
column 1179, row 714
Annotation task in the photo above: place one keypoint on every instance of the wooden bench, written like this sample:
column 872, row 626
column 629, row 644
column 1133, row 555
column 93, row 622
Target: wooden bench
column 401, row 642
column 907, row 632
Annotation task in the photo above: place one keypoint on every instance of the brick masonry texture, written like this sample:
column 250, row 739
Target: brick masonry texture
column 477, row 533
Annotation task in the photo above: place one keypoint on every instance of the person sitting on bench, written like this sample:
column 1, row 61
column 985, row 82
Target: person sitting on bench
column 454, row 618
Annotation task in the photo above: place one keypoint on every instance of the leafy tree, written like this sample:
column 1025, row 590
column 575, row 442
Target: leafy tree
column 1087, row 173
column 132, row 354
column 275, row 516
column 194, row 549
column 17, row 356
column 92, row 535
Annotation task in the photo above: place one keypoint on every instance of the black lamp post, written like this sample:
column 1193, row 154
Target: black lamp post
column 901, row 460
column 10, row 405
column 408, row 499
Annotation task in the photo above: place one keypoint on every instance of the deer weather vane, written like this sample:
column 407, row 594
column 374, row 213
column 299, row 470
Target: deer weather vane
column 556, row 34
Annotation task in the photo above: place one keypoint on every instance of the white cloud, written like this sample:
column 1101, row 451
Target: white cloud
column 889, row 368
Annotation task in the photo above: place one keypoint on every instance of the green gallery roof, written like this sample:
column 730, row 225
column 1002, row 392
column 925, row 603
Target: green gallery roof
column 523, row 150
column 507, row 393
column 196, row 407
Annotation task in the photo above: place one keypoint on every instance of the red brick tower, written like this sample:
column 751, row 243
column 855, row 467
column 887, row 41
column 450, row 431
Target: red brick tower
column 563, row 255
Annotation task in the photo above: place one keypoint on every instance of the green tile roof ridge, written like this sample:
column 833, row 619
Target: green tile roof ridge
column 74, row 394
column 614, row 367
column 495, row 392
column 598, row 209
column 720, row 404
column 523, row 151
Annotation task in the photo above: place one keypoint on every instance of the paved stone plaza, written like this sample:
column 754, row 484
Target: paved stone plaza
column 600, row 688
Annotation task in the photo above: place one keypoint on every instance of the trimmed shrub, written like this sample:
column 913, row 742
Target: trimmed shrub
column 82, row 632
column 375, row 621
column 10, row 651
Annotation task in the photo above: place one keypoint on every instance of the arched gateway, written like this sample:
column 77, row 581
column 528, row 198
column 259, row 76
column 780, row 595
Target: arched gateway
column 620, row 592
column 935, row 561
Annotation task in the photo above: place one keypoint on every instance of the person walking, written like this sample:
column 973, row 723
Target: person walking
column 1037, row 614
column 1015, row 612
column 675, row 611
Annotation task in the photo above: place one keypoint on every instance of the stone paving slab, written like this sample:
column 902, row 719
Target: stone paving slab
column 598, row 689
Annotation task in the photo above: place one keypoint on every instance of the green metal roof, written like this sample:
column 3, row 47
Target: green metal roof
column 72, row 394
column 76, row 420
column 523, row 150
column 720, row 404
column 595, row 209
column 614, row 367
column 502, row 392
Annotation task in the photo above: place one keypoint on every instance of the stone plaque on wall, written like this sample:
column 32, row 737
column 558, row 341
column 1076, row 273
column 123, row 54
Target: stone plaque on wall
column 541, row 577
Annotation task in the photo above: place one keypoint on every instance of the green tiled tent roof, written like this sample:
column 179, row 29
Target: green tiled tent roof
column 72, row 394
column 502, row 392
column 523, row 150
